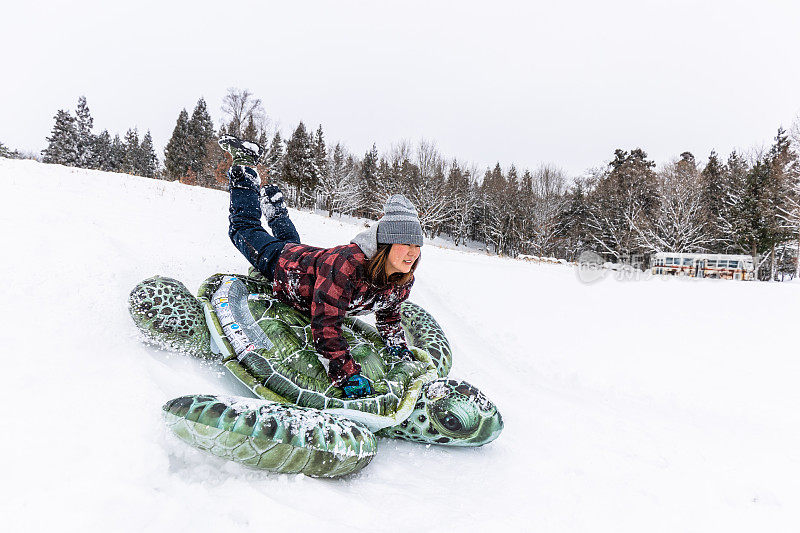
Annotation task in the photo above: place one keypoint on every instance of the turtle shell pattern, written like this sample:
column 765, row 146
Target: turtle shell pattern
column 269, row 347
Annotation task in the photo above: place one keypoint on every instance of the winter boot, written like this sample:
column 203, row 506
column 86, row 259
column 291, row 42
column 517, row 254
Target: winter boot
column 272, row 204
column 244, row 153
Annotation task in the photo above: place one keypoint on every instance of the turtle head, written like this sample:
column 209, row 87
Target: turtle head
column 449, row 412
column 170, row 316
column 461, row 414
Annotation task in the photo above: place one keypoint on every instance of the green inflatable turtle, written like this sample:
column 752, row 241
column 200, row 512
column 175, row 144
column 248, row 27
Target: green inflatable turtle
column 306, row 424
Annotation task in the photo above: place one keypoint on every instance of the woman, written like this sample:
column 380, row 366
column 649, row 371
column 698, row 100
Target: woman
column 374, row 273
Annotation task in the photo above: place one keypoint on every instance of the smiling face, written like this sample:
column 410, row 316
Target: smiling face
column 401, row 258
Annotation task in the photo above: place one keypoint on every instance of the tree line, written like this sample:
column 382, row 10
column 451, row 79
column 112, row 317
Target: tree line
column 72, row 143
column 627, row 209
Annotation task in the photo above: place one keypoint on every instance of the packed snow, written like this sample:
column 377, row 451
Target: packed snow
column 629, row 405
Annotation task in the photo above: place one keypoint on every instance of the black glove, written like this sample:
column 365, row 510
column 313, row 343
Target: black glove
column 356, row 386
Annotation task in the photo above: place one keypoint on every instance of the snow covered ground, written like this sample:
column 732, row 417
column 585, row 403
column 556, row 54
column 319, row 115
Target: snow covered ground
column 651, row 405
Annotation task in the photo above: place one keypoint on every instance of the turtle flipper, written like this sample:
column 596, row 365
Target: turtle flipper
column 170, row 316
column 424, row 332
column 271, row 436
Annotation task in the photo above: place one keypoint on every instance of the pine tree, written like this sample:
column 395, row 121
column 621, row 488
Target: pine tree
column 713, row 198
column 573, row 220
column 149, row 160
column 274, row 160
column 622, row 205
column 320, row 152
column 320, row 159
column 751, row 228
column 299, row 168
column 176, row 154
column 461, row 190
column 133, row 162
column 782, row 188
column 83, row 126
column 101, row 154
column 369, row 195
column 62, row 145
column 117, row 160
column 492, row 220
column 199, row 130
column 250, row 132
column 6, row 152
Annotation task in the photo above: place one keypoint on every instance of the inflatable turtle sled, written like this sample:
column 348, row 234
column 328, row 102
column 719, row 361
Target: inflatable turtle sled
column 299, row 421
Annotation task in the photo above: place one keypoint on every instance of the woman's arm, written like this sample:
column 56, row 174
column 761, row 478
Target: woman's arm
column 389, row 326
column 333, row 291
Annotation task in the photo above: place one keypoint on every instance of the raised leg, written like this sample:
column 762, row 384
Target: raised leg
column 246, row 232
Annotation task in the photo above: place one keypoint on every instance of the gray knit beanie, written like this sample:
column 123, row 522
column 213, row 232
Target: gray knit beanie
column 400, row 223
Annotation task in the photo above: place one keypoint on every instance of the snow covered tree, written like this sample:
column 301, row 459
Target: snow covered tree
column 299, row 168
column 784, row 169
column 622, row 204
column 274, row 160
column 62, row 147
column 83, row 126
column 6, row 152
column 149, row 160
column 714, row 196
column 338, row 187
column 133, row 162
column 460, row 187
column 177, row 156
column 573, row 220
column 679, row 224
column 240, row 107
column 370, row 201
column 250, row 132
column 749, row 213
column 320, row 156
column 546, row 203
column 424, row 184
column 493, row 221
column 199, row 130
column 117, row 161
column 101, row 153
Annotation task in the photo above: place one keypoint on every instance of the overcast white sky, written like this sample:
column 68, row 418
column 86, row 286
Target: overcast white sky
column 525, row 82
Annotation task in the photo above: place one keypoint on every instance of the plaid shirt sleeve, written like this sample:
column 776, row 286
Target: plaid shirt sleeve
column 387, row 320
column 389, row 327
column 333, row 291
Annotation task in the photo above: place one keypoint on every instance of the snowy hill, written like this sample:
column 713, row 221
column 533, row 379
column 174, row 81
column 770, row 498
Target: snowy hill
column 656, row 405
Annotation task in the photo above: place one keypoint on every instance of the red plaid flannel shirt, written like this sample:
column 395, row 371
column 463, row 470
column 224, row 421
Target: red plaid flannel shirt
column 329, row 283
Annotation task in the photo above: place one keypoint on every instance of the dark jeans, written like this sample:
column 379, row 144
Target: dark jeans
column 246, row 231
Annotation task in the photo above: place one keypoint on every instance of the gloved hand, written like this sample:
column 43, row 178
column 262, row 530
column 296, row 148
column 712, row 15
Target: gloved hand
column 402, row 352
column 356, row 386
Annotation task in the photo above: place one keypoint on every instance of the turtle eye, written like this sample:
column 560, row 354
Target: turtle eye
column 451, row 422
column 455, row 417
